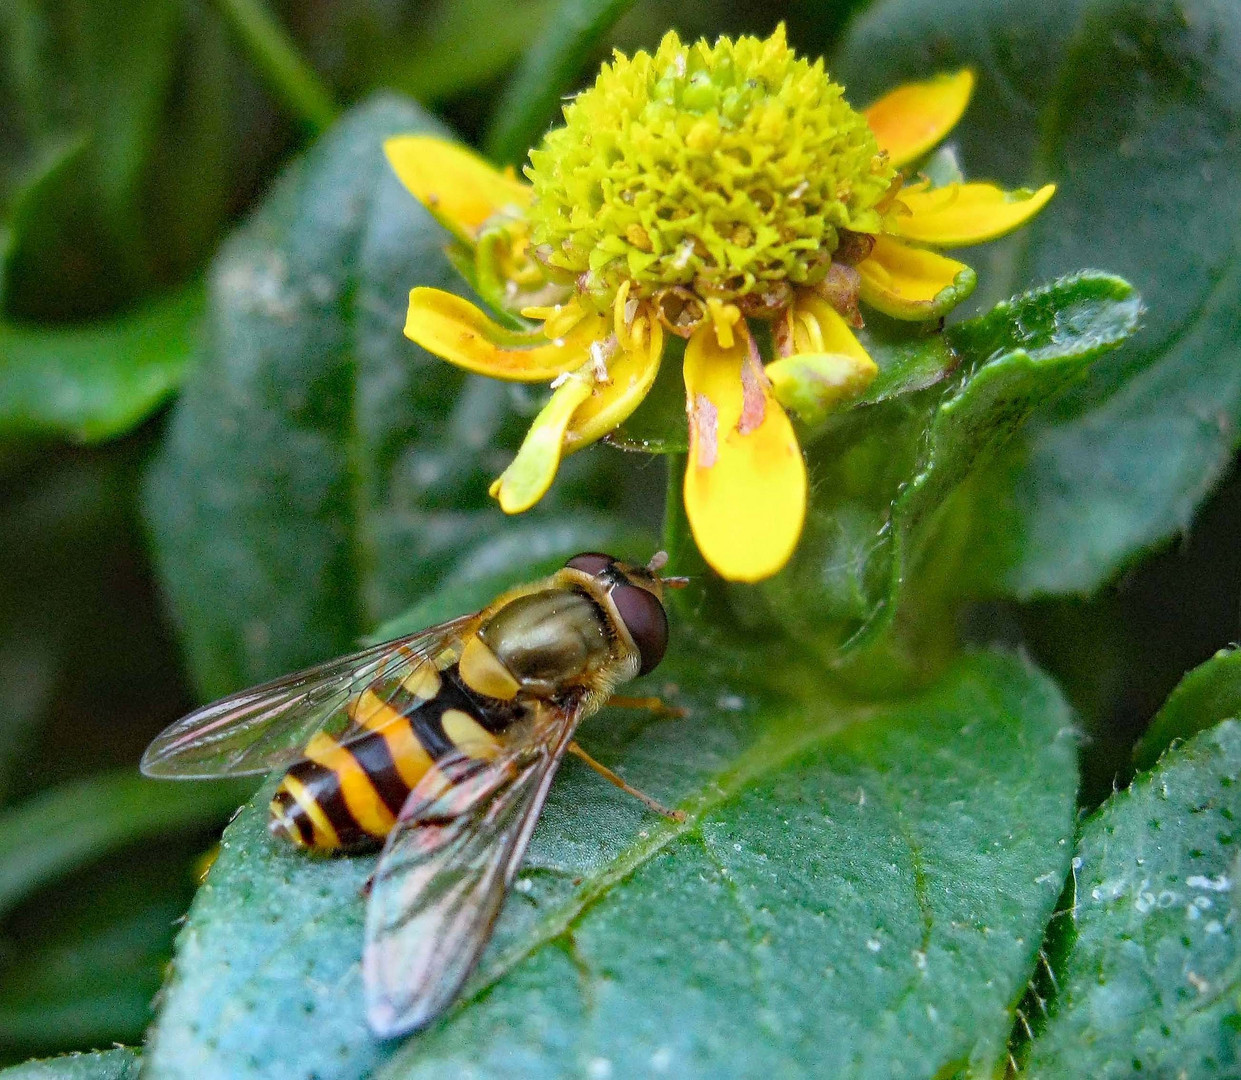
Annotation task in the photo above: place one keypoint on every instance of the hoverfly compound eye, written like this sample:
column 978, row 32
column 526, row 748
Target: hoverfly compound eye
column 647, row 622
column 590, row 562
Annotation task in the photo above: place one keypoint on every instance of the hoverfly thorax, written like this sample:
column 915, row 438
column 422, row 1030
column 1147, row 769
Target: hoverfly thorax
column 550, row 639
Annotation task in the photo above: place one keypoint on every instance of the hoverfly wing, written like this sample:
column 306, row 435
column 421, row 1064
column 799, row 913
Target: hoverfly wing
column 444, row 873
column 267, row 726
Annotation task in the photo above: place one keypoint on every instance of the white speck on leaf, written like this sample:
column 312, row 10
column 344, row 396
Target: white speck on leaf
column 1220, row 884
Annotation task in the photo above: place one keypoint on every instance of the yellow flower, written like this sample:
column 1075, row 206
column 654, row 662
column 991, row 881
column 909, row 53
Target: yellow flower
column 701, row 191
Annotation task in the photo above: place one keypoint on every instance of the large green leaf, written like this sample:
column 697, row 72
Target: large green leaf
column 119, row 1064
column 1131, row 108
column 94, row 381
column 1148, row 965
column 857, row 890
column 321, row 472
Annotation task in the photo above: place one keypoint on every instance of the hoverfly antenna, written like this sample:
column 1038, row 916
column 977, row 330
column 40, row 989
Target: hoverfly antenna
column 658, row 561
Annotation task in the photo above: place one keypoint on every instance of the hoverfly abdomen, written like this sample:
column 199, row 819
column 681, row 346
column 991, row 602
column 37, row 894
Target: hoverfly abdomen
column 346, row 795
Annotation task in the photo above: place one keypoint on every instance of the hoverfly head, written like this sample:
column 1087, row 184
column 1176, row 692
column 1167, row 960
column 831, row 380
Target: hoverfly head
column 637, row 594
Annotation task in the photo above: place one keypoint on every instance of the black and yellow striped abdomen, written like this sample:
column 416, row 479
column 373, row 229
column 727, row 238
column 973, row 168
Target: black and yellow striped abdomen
column 347, row 794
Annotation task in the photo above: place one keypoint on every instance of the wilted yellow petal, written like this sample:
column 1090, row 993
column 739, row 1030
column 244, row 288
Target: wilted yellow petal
column 958, row 215
column 459, row 188
column 457, row 331
column 532, row 471
column 745, row 480
column 631, row 374
column 913, row 118
column 811, row 384
column 909, row 283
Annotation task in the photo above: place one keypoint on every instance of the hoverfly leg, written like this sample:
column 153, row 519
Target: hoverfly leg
column 652, row 704
column 611, row 777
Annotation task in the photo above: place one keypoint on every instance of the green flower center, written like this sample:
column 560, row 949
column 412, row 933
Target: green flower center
column 722, row 171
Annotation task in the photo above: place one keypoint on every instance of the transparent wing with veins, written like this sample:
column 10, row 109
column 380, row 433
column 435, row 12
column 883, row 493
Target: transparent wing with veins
column 446, row 869
column 267, row 726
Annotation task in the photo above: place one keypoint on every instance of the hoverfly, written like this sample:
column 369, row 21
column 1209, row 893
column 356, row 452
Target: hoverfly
column 441, row 746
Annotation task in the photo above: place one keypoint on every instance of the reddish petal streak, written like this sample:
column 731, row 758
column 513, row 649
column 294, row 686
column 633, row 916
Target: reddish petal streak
column 753, row 395
column 704, row 421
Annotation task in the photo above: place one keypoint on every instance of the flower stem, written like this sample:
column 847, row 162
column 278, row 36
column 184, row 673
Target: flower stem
column 549, row 69
column 678, row 541
column 288, row 74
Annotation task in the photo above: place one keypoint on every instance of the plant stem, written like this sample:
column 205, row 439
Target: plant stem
column 288, row 74
column 678, row 539
column 550, row 68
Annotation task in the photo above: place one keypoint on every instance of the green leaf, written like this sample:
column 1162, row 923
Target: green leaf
column 1129, row 107
column 85, row 659
column 1036, row 347
column 175, row 132
column 321, row 472
column 45, row 172
column 96, row 381
column 858, row 889
column 909, row 359
column 550, row 69
column 77, row 823
column 84, row 959
column 118, row 1064
column 452, row 56
column 1149, row 968
column 880, row 525
column 99, row 70
column 1208, row 694
column 290, row 77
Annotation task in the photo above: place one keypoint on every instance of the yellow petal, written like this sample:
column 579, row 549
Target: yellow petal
column 958, row 215
column 532, row 471
column 745, row 481
column 913, row 118
column 631, row 374
column 456, row 330
column 459, row 188
column 909, row 283
column 811, row 384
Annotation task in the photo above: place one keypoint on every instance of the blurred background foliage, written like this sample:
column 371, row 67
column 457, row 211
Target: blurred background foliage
column 134, row 135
